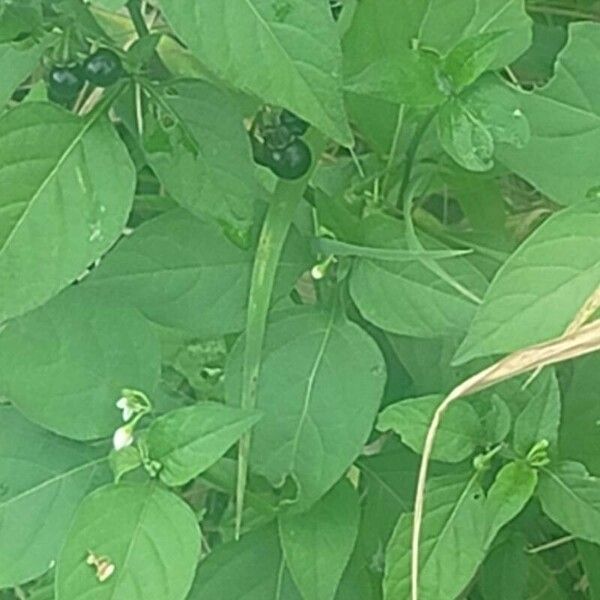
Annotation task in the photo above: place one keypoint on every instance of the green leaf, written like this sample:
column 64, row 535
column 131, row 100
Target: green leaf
column 454, row 518
column 43, row 479
column 252, row 568
column 459, row 434
column 68, row 187
column 148, row 534
column 470, row 126
column 570, row 496
column 410, row 78
column 17, row 61
column 383, row 32
column 317, row 544
column 590, row 558
column 457, row 515
column 124, row 461
column 560, row 159
column 19, row 18
column 286, row 53
column 409, row 298
column 541, row 287
column 65, row 364
column 579, row 429
column 471, row 58
column 188, row 441
column 200, row 151
column 539, row 420
column 183, row 273
column 325, row 375
column 505, row 571
column 513, row 487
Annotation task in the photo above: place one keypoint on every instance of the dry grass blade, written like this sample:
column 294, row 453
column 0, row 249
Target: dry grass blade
column 584, row 340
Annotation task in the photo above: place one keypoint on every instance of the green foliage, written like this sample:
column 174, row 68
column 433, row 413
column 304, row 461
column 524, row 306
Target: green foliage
column 248, row 249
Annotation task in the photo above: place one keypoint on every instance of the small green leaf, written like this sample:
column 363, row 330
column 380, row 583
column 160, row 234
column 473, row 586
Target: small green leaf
column 65, row 364
column 149, row 535
column 570, row 496
column 471, row 125
column 317, row 544
column 17, row 61
column 43, row 478
column 189, row 440
column 124, row 461
column 459, row 434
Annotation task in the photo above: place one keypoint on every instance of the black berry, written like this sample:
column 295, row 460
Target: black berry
column 65, row 82
column 292, row 162
column 103, row 68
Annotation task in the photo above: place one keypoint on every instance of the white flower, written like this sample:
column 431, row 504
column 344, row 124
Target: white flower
column 123, row 438
column 128, row 410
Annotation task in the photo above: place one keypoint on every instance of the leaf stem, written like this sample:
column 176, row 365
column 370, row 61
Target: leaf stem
column 273, row 234
column 135, row 12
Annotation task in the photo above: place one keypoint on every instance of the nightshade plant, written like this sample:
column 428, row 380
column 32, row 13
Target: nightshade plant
column 299, row 299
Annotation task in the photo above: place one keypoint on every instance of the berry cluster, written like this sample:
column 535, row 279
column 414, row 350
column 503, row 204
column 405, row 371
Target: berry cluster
column 102, row 69
column 281, row 148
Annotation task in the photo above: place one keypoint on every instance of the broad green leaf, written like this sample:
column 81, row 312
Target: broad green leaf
column 43, row 479
column 560, row 159
column 409, row 298
column 183, row 273
column 188, row 441
column 505, row 570
column 65, row 364
column 541, row 287
column 457, row 515
column 454, row 518
column 459, row 434
column 17, row 61
column 320, row 375
column 286, row 53
column 579, row 437
column 110, row 4
column 199, row 149
column 68, row 187
column 250, row 569
column 148, row 534
column 317, row 544
column 472, row 124
column 570, row 496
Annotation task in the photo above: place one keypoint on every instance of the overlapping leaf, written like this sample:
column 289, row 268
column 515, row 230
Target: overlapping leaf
column 286, row 53
column 67, row 190
column 43, row 479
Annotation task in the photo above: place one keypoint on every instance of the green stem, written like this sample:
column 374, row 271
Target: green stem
column 135, row 12
column 394, row 148
column 274, row 232
column 411, row 153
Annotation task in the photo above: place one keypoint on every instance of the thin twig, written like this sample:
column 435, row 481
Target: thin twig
column 550, row 545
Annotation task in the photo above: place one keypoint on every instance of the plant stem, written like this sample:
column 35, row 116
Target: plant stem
column 135, row 12
column 411, row 153
column 268, row 253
